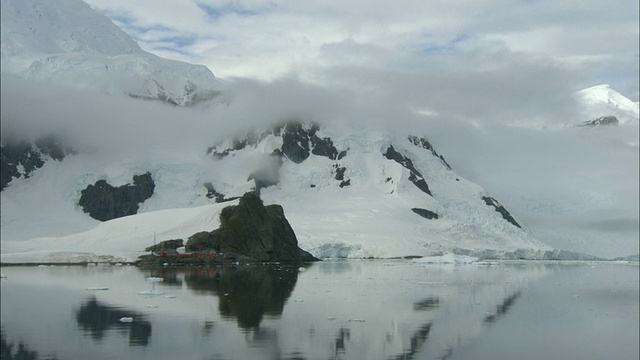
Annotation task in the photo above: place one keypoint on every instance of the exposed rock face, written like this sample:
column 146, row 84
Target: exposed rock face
column 427, row 214
column 295, row 144
column 253, row 230
column 299, row 141
column 423, row 143
column 105, row 202
column 501, row 209
column 414, row 175
column 167, row 246
column 212, row 193
column 601, row 121
column 20, row 159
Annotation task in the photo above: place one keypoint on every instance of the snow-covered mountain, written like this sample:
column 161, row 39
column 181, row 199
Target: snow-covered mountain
column 602, row 102
column 67, row 42
column 88, row 177
column 356, row 194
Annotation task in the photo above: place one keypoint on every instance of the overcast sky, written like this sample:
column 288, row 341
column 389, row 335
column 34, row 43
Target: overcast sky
column 577, row 43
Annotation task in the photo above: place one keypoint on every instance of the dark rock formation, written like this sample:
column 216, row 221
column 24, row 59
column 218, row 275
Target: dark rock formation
column 212, row 193
column 501, row 209
column 105, row 202
column 295, row 142
column 298, row 142
column 425, row 213
column 339, row 175
column 167, row 246
column 250, row 229
column 423, row 143
column 29, row 157
column 415, row 176
column 603, row 120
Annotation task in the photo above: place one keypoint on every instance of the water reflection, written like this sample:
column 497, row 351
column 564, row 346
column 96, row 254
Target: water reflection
column 427, row 304
column 416, row 342
column 97, row 319
column 9, row 350
column 246, row 292
column 333, row 310
column 503, row 308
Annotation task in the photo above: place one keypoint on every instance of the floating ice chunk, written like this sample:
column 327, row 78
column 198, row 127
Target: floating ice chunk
column 126, row 319
column 170, row 296
column 356, row 320
column 152, row 306
column 331, row 318
column 97, row 288
column 298, row 300
column 155, row 279
column 151, row 292
column 302, row 269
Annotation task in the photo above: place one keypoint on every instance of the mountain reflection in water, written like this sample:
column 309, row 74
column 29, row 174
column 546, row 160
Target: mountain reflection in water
column 97, row 319
column 245, row 292
column 382, row 310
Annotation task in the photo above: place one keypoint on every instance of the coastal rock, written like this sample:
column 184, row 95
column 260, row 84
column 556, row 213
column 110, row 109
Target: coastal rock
column 252, row 230
column 167, row 246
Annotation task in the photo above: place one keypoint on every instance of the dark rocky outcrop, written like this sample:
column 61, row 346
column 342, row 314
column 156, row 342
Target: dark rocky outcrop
column 501, row 209
column 601, row 121
column 167, row 246
column 414, row 175
column 212, row 193
column 339, row 175
column 423, row 143
column 28, row 157
column 254, row 231
column 295, row 142
column 427, row 214
column 299, row 141
column 105, row 202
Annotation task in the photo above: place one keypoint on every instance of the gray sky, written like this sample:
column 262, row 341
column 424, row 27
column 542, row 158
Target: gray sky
column 585, row 42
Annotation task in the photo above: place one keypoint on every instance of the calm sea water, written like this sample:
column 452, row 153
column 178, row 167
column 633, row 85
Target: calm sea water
column 327, row 310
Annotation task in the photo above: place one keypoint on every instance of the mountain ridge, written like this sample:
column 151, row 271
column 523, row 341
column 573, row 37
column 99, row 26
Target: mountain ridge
column 67, row 42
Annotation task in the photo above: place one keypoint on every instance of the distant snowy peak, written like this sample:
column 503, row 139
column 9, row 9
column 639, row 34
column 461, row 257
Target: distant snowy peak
column 66, row 42
column 601, row 102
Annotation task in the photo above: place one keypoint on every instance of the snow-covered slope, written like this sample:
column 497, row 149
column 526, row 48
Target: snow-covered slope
column 601, row 101
column 365, row 192
column 367, row 213
column 66, row 42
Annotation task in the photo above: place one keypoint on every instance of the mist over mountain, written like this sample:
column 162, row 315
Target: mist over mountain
column 360, row 172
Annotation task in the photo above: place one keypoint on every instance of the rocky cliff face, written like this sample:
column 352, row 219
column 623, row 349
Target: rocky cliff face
column 253, row 230
column 601, row 121
column 105, row 202
column 22, row 158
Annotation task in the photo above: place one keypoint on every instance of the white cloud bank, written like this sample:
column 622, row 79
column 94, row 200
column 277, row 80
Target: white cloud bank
column 268, row 40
